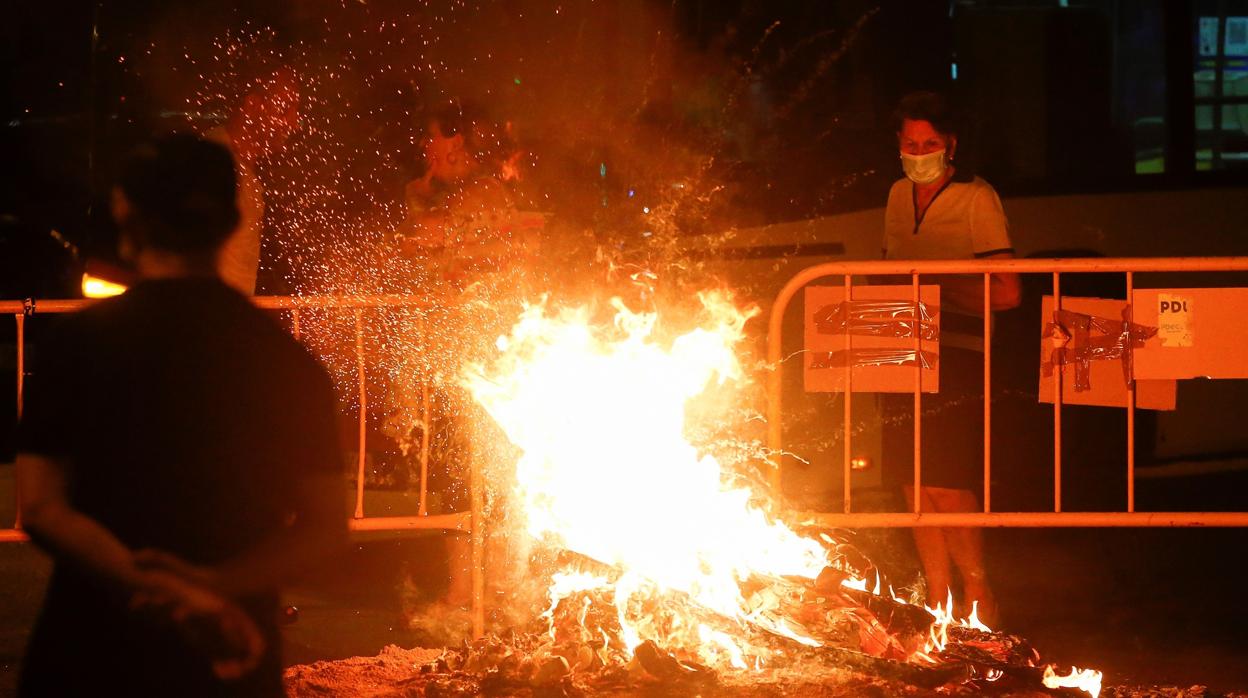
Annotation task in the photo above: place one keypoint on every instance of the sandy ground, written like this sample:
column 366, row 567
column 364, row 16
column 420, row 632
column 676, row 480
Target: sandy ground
column 1145, row 606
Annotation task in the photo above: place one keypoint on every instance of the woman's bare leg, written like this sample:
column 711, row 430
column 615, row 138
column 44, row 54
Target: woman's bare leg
column 966, row 547
column 933, row 552
column 459, row 566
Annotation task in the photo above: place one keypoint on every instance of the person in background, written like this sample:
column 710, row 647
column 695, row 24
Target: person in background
column 939, row 211
column 464, row 229
column 178, row 458
column 259, row 127
column 462, row 212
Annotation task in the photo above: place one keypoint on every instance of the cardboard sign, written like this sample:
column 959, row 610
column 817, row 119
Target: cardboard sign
column 1174, row 320
column 1107, row 385
column 1202, row 332
column 879, row 363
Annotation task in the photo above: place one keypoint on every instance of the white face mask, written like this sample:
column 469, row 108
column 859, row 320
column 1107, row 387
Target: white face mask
column 924, row 169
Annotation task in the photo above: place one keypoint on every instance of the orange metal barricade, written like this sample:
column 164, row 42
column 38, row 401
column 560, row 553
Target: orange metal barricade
column 470, row 522
column 986, row 518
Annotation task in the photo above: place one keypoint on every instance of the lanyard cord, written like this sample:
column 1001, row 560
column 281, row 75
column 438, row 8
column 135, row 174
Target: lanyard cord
column 914, row 199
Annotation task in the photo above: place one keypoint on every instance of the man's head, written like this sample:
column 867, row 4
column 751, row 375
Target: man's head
column 445, row 155
column 268, row 115
column 177, row 195
column 454, row 142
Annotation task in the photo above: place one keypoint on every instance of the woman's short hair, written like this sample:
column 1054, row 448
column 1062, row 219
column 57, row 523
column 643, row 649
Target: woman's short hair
column 931, row 107
column 182, row 191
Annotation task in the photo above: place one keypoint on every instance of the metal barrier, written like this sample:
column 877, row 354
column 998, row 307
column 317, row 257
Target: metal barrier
column 986, row 518
column 470, row 522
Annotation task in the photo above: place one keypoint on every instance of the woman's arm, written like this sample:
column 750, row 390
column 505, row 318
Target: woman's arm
column 966, row 291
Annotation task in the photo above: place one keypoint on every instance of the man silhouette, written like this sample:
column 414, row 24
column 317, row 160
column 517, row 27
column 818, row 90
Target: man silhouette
column 178, row 458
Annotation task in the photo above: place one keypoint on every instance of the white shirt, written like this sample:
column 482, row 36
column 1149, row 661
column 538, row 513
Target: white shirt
column 964, row 220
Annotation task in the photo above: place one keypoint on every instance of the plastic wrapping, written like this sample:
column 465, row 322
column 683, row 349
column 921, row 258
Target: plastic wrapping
column 873, row 356
column 1080, row 339
column 877, row 318
column 877, row 332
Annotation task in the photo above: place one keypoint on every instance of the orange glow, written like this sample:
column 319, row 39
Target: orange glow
column 95, row 287
column 1087, row 680
column 600, row 414
column 607, row 472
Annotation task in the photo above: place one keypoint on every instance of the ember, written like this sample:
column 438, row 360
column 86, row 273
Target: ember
column 668, row 568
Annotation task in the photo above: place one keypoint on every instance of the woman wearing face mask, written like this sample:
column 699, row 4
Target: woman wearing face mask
column 940, row 212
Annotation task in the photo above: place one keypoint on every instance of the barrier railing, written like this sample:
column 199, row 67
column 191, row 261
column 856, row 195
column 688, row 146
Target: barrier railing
column 467, row 522
column 986, row 518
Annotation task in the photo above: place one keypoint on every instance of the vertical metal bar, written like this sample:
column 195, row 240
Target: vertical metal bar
column 21, row 360
column 426, row 414
column 1130, row 399
column 918, row 392
column 478, row 546
column 294, row 322
column 1059, row 375
column 426, row 418
column 359, row 359
column 847, row 441
column 987, row 392
column 21, row 393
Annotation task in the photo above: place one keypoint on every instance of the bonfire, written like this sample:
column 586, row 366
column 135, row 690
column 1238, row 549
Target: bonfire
column 670, row 570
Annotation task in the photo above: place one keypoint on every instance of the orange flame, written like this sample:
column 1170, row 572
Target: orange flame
column 606, row 470
column 96, row 287
column 600, row 416
column 1087, row 680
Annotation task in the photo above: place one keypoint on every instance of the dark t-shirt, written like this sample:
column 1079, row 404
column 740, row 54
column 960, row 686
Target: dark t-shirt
column 184, row 417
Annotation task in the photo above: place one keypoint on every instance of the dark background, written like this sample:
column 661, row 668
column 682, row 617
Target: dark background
column 1085, row 96
column 1081, row 97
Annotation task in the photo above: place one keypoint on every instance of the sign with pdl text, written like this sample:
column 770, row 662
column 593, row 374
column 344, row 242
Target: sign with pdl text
column 1201, row 332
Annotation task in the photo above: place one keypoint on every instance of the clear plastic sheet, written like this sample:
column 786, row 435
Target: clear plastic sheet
column 877, row 318
column 872, row 356
column 1080, row 339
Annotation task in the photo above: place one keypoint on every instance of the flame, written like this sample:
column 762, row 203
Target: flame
column 943, row 617
column 973, row 621
column 855, row 583
column 95, row 287
column 1087, row 680
column 600, row 415
column 606, row 470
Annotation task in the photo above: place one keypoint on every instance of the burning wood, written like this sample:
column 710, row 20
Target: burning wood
column 668, row 570
column 708, row 587
column 505, row 665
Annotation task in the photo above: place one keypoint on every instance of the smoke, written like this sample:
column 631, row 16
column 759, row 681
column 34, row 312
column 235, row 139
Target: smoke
column 623, row 144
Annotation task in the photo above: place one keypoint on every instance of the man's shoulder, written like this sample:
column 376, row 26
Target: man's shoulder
column 96, row 314
column 285, row 352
